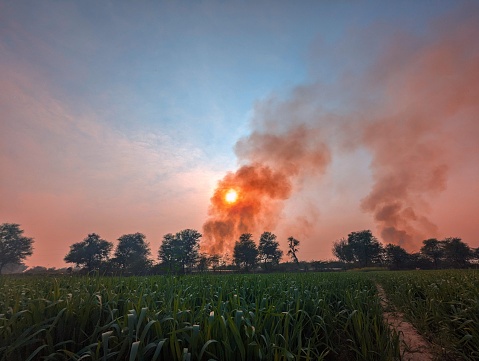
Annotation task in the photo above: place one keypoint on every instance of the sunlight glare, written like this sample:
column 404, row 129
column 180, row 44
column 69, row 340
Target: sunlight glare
column 231, row 196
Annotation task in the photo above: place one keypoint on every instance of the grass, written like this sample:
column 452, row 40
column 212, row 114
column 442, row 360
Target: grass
column 443, row 305
column 314, row 316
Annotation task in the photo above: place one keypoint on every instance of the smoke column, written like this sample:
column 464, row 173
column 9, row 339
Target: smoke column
column 275, row 163
column 415, row 109
column 431, row 109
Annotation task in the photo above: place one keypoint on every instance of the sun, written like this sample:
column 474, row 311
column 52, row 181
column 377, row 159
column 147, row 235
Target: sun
column 231, row 196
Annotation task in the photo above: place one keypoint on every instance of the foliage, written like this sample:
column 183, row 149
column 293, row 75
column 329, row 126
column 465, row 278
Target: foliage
column 396, row 256
column 293, row 245
column 168, row 254
column 360, row 247
column 450, row 252
column 457, row 253
column 89, row 253
column 215, row 261
column 433, row 250
column 245, row 253
column 234, row 317
column 203, row 262
column 442, row 305
column 342, row 251
column 268, row 250
column 180, row 250
column 131, row 254
column 14, row 247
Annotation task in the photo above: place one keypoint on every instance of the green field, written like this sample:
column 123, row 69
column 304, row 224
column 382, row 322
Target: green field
column 308, row 316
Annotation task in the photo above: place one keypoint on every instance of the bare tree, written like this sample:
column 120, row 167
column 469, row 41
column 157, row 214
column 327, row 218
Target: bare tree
column 293, row 245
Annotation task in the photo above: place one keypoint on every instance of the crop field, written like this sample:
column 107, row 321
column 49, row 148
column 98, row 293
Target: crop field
column 309, row 316
column 443, row 305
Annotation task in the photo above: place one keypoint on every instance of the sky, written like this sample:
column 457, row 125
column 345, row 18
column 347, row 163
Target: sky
column 327, row 117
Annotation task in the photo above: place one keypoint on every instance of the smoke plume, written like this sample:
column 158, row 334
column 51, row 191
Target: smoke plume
column 415, row 110
column 415, row 137
column 274, row 165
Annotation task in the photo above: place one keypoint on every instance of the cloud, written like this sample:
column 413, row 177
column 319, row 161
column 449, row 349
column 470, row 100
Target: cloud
column 66, row 173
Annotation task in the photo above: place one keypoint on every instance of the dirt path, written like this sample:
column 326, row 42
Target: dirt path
column 413, row 346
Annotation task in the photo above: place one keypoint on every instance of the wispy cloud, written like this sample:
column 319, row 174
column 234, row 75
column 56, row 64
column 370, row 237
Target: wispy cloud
column 65, row 171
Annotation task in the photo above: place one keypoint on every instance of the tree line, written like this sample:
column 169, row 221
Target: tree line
column 180, row 253
column 362, row 249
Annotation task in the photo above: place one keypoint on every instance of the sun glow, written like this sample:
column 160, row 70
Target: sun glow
column 231, row 196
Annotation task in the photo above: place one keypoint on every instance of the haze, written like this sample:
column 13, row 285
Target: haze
column 331, row 117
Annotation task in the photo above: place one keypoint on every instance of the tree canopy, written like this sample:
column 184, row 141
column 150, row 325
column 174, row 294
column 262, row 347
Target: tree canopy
column 14, row 246
column 360, row 247
column 456, row 252
column 396, row 256
column 180, row 250
column 131, row 254
column 245, row 253
column 433, row 250
column 268, row 250
column 89, row 253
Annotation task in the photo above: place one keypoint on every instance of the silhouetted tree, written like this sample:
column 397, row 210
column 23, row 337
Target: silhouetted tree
column 203, row 262
column 215, row 261
column 189, row 244
column 169, row 252
column 433, row 249
column 89, row 253
column 475, row 255
column 361, row 247
column 293, row 245
column 343, row 251
column 180, row 251
column 419, row 260
column 131, row 254
column 14, row 247
column 268, row 250
column 245, row 253
column 457, row 253
column 396, row 257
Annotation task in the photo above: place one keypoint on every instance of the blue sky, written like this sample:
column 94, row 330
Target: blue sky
column 121, row 116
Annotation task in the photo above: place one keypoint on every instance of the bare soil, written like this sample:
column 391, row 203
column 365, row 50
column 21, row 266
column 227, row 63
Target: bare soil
column 414, row 347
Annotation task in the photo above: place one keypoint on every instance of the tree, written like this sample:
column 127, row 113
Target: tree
column 215, row 260
column 293, row 245
column 180, row 250
column 475, row 255
column 204, row 262
column 245, row 253
column 169, row 253
column 188, row 240
column 457, row 253
column 343, row 251
column 14, row 247
column 132, row 253
column 433, row 250
column 268, row 249
column 396, row 256
column 360, row 247
column 89, row 253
